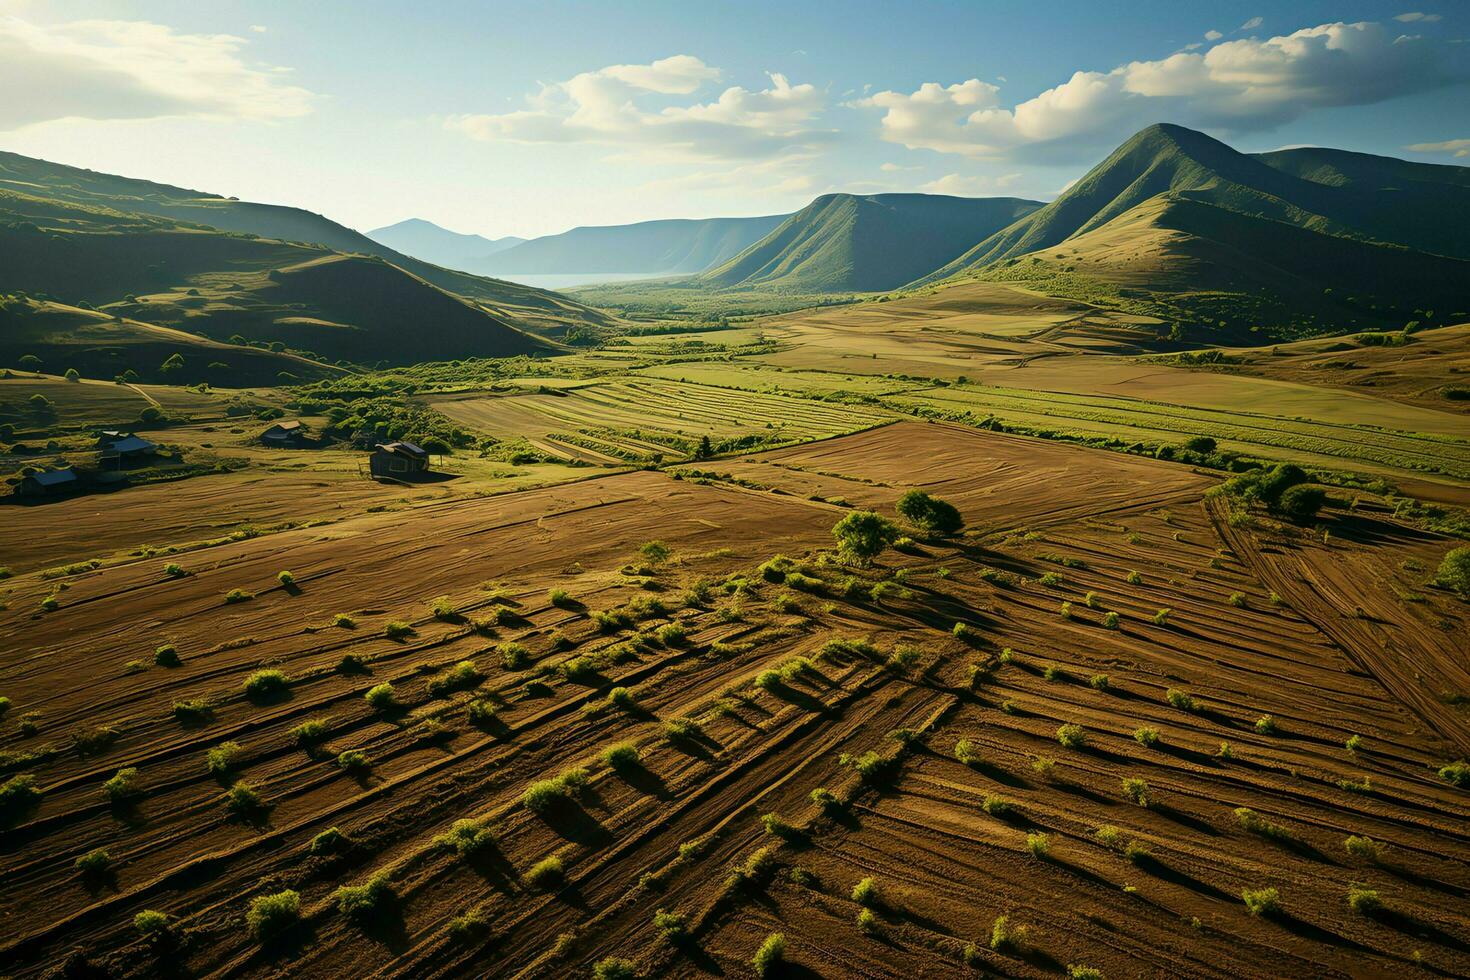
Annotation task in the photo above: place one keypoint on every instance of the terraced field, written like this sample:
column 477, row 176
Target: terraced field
column 635, row 419
column 739, row 693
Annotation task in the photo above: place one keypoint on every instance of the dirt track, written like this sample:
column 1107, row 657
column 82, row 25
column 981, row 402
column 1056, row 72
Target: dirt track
column 945, row 867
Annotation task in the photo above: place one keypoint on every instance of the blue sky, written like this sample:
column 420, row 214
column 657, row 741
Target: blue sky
column 529, row 118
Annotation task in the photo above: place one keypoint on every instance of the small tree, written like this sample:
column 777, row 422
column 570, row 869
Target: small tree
column 929, row 512
column 174, row 363
column 1454, row 571
column 863, row 535
column 705, row 450
column 1299, row 504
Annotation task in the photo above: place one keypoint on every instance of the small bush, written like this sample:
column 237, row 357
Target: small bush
column 150, row 923
column 865, row 893
column 1262, row 902
column 1161, row 618
column 1110, row 621
column 1099, row 682
column 1456, row 773
column 397, row 629
column 1039, row 845
column 123, row 786
column 311, row 732
column 546, row 874
column 1363, row 785
column 1071, row 736
column 243, row 801
column 222, row 759
column 622, row 757
column 671, row 925
column 286, row 579
column 562, row 599
column 351, row 665
column 1364, row 901
column 1257, row 824
column 361, row 903
column 381, row 697
column 1076, row 971
column 272, row 915
column 614, row 968
column 329, row 843
column 166, row 656
column 1005, row 937
column 543, row 794
column 1454, row 571
column 354, row 761
column 771, row 953
column 195, row 712
column 468, row 928
column 238, row 595
column 966, row 752
column 265, row 684
column 1136, row 790
column 825, row 799
column 94, row 863
column 1148, row 737
column 682, row 730
column 17, row 793
column 443, row 608
column 1181, row 700
column 1362, row 847
column 868, row 923
column 467, row 838
column 174, row 570
column 344, row 621
column 1353, row 743
column 1043, row 766
column 1134, row 578
column 1266, row 725
column 481, row 712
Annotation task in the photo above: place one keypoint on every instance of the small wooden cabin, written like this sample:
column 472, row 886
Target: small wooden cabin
column 398, row 461
column 285, row 435
column 48, row 483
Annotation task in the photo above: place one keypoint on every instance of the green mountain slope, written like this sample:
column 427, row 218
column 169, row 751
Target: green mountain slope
column 848, row 242
column 87, row 188
column 306, row 298
column 673, row 247
column 1298, row 187
column 425, row 240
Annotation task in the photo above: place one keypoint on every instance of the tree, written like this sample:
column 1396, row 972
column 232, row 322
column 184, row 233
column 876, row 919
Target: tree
column 30, row 362
column 929, row 512
column 1454, row 571
column 1200, row 444
column 72, row 375
column 705, row 450
column 1300, row 503
column 174, row 362
column 1282, row 477
column 863, row 534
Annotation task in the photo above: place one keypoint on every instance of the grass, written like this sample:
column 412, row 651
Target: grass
column 266, row 684
column 272, row 915
column 1262, row 902
column 770, row 955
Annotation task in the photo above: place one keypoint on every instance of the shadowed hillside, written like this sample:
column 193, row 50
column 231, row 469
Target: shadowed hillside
column 655, row 247
column 843, row 242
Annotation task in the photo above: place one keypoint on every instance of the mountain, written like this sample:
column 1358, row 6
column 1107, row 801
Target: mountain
column 672, row 247
column 426, row 240
column 295, row 297
column 1426, row 215
column 523, row 305
column 866, row 243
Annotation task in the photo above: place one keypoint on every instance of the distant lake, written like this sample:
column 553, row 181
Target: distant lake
column 569, row 279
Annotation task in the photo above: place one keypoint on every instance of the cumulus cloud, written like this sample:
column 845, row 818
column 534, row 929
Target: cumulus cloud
column 780, row 175
column 1460, row 148
column 1252, row 24
column 612, row 106
column 112, row 69
column 970, row 184
column 1237, row 86
column 1414, row 16
column 1213, row 35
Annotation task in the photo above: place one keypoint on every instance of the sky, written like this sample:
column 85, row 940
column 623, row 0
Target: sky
column 521, row 118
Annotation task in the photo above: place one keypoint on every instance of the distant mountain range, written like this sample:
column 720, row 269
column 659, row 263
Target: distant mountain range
column 851, row 242
column 426, row 240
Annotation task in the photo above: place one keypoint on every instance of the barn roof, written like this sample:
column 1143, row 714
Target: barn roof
column 287, row 426
column 53, row 478
column 403, row 449
column 130, row 444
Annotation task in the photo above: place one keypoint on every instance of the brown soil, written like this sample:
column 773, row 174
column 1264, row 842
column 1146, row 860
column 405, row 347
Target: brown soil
column 1354, row 644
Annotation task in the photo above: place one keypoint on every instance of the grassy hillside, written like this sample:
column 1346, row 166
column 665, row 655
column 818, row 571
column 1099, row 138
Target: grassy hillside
column 73, row 185
column 451, row 249
column 1171, row 159
column 99, row 345
column 1209, row 266
column 304, row 297
column 676, row 247
column 848, row 242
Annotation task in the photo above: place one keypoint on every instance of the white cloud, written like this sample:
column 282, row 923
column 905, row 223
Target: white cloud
column 1252, row 24
column 893, row 168
column 1414, row 16
column 258, row 28
column 1240, row 85
column 1460, row 148
column 112, row 69
column 779, row 175
column 611, row 106
column 1213, row 35
column 972, row 185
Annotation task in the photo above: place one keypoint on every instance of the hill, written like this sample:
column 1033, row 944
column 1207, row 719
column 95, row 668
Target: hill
column 864, row 243
column 1172, row 159
column 86, row 188
column 313, row 300
column 451, row 249
column 671, row 247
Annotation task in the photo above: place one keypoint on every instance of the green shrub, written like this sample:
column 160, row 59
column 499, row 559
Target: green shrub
column 195, row 712
column 467, row 838
column 1148, row 737
column 1039, row 845
column 18, row 793
column 1110, row 621
column 1134, row 578
column 461, row 677
column 682, row 730
column 265, row 684
column 671, row 925
column 614, row 968
column 1364, row 901
column 222, row 759
column 344, row 621
column 1071, row 736
column 329, row 843
column 468, row 928
column 1161, row 618
column 397, row 629
column 351, row 665
column 354, row 761
column 1363, row 785
column 862, row 535
column 286, row 579
column 94, row 863
column 929, row 512
column 1099, row 682
column 50, row 604
column 1362, row 847
column 546, row 874
column 1005, row 937
column 1263, row 902
column 443, row 608
column 481, row 712
column 825, row 799
column 1266, row 725
column 776, row 826
column 771, row 954
column 311, row 732
column 1076, row 971
column 966, row 752
column 174, row 570
column 243, row 801
column 271, row 915
column 1353, row 743
column 1257, row 824
column 1456, row 773
column 381, row 697
column 1454, row 571
column 150, row 923
column 865, row 893
column 1300, row 504
column 868, row 923
column 362, row 903
column 123, row 786
column 562, row 599
column 543, row 794
column 1136, row 790
column 238, row 595
column 166, row 656
column 1181, row 700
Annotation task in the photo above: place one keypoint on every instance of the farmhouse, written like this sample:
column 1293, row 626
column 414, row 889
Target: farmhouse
column 48, row 483
column 398, row 461
column 113, row 444
column 284, row 435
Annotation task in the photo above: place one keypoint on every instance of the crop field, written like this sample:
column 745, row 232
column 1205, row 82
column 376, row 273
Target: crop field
column 570, row 729
column 633, row 419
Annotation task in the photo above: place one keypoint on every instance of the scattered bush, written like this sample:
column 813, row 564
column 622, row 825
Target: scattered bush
column 546, row 874
column 622, row 757
column 286, row 579
column 862, row 535
column 867, row 922
column 1266, row 725
column 1039, row 845
column 1161, row 618
column 1456, row 773
column 1110, row 621
column 682, row 730
column 1136, row 790
column 272, row 915
column 1300, row 504
column 195, row 712
column 1181, row 700
column 1076, row 971
column 1257, row 824
column 329, row 843
column 381, row 697
column 966, row 752
column 771, row 953
column 397, row 629
column 1071, row 736
column 264, row 684
column 354, row 761
column 614, row 968
column 18, row 793
column 929, row 512
column 467, row 838
column 244, row 802
column 94, row 863
column 562, row 599
column 1454, row 571
column 222, row 759
column 351, row 665
column 1148, row 737
column 123, row 786
column 238, row 595
column 1263, row 902
column 461, row 677
column 362, row 903
column 174, row 570
column 344, row 621
column 543, row 794
column 1362, row 847
column 443, row 608
column 671, row 925
column 150, row 924
column 1005, row 937
column 311, row 732
column 1099, row 682
column 166, row 656
column 481, row 712
column 1364, row 901
column 1353, row 743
